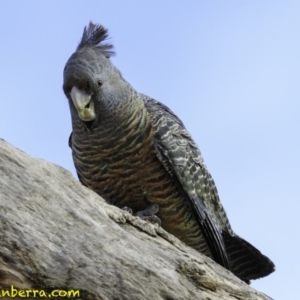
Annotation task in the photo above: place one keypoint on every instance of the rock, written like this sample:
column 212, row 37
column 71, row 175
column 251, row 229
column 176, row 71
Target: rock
column 57, row 234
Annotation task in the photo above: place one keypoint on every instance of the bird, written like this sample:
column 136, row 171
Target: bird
column 137, row 154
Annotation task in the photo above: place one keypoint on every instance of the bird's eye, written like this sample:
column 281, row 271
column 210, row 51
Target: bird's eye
column 99, row 83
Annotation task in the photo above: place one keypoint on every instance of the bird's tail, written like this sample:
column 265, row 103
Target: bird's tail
column 245, row 260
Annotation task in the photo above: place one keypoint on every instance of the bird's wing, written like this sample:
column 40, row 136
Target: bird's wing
column 182, row 159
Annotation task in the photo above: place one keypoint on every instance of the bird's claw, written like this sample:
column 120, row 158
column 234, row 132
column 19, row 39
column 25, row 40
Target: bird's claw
column 128, row 209
column 148, row 214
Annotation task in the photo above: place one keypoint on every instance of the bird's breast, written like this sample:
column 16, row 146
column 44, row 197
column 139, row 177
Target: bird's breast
column 122, row 166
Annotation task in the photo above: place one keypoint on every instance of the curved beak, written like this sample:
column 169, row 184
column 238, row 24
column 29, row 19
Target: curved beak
column 84, row 104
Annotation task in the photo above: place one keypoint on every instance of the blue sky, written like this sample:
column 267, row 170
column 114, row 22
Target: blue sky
column 228, row 69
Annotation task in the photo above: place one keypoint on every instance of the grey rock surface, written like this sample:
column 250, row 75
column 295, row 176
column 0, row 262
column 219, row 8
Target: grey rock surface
column 57, row 234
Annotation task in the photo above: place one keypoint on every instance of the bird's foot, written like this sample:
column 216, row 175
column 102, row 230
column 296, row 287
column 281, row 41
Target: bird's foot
column 148, row 214
column 128, row 209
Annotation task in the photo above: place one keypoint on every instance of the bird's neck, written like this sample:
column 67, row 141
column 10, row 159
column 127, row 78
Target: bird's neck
column 129, row 116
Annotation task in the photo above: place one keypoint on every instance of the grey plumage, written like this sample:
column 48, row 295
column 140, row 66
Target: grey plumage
column 135, row 152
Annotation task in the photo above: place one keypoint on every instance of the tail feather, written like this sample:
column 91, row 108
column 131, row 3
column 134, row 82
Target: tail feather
column 245, row 260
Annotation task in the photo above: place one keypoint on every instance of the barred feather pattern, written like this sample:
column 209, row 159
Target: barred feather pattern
column 182, row 159
column 121, row 164
column 186, row 161
column 144, row 154
column 138, row 151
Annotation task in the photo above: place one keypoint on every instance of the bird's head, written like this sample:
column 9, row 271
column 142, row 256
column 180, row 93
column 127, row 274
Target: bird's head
column 92, row 84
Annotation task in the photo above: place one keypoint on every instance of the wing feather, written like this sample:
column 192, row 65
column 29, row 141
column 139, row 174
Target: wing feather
column 182, row 159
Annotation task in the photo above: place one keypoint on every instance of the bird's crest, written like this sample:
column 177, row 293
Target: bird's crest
column 94, row 35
